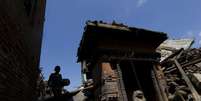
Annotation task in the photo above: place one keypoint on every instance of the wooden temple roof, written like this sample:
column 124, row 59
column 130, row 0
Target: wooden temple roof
column 117, row 37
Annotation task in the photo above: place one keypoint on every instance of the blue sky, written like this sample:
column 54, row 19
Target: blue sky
column 65, row 21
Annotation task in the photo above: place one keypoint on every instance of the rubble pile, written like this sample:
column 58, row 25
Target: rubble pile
column 182, row 71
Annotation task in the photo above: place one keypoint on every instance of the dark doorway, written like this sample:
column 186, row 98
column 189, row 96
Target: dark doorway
column 137, row 76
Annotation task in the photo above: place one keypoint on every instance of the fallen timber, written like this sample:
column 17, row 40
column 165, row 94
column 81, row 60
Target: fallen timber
column 182, row 73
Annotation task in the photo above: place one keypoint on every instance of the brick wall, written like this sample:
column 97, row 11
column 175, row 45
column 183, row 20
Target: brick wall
column 21, row 26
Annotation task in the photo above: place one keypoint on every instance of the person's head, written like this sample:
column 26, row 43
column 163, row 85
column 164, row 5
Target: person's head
column 57, row 69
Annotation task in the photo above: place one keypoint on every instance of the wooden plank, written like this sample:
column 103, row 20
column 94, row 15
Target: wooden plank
column 192, row 62
column 123, row 95
column 160, row 83
column 188, row 82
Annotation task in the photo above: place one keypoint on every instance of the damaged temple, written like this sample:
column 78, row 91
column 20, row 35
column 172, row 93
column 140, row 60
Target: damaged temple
column 121, row 63
column 118, row 62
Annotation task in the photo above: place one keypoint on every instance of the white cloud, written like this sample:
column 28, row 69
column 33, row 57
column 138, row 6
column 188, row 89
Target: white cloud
column 199, row 43
column 199, row 34
column 188, row 34
column 199, row 39
column 196, row 37
column 141, row 2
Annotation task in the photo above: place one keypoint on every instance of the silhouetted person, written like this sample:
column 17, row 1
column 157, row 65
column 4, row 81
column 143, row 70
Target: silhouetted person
column 55, row 82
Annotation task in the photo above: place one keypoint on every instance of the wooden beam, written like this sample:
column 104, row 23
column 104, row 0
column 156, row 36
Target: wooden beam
column 188, row 82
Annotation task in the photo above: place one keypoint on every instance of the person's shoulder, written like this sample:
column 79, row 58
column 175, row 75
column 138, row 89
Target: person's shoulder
column 60, row 75
column 52, row 74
